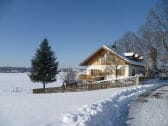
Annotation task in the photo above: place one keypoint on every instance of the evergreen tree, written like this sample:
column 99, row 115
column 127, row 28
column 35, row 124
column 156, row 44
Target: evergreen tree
column 44, row 65
column 114, row 46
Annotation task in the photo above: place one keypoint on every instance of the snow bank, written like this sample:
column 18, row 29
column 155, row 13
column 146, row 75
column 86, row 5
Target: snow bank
column 19, row 109
column 108, row 112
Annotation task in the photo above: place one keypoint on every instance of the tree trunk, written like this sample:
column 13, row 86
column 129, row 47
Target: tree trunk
column 116, row 73
column 44, row 85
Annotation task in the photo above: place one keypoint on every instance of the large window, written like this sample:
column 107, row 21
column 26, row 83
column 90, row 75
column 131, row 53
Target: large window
column 95, row 72
column 121, row 71
column 102, row 60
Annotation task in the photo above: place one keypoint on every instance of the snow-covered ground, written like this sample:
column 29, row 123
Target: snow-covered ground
column 90, row 108
column 20, row 82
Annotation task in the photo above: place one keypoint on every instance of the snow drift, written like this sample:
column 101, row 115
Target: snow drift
column 109, row 112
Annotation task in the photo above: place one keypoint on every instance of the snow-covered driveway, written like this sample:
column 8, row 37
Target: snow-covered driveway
column 150, row 109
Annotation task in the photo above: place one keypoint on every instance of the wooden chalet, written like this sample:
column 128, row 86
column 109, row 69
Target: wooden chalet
column 106, row 62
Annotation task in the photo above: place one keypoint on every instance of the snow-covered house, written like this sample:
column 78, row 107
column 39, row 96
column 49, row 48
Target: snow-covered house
column 106, row 62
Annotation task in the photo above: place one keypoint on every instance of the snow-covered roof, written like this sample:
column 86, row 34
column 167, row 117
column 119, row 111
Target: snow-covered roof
column 136, row 55
column 141, row 58
column 129, row 54
column 114, row 51
column 123, row 56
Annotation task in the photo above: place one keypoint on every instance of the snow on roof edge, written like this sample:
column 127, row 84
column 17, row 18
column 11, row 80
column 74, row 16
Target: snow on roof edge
column 123, row 57
column 115, row 52
column 129, row 53
column 89, row 56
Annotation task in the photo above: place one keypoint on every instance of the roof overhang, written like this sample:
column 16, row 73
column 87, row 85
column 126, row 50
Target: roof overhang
column 98, row 51
column 85, row 62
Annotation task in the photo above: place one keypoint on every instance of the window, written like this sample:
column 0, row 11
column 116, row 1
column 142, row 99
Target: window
column 121, row 71
column 109, row 72
column 95, row 72
column 133, row 72
column 102, row 60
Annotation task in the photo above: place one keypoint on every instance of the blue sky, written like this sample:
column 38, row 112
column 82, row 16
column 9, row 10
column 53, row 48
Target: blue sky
column 74, row 28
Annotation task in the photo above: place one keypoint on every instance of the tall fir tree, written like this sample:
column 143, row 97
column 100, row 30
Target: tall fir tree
column 44, row 65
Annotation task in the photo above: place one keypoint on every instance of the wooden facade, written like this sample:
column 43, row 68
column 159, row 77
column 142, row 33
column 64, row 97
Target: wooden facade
column 103, row 57
column 105, row 62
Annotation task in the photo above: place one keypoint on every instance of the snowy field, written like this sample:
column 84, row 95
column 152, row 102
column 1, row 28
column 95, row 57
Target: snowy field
column 90, row 108
column 20, row 82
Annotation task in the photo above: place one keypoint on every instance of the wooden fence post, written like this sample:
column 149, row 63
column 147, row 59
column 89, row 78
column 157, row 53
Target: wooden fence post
column 137, row 80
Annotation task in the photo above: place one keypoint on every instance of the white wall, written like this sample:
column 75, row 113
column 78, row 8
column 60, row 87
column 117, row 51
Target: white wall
column 128, row 70
column 138, row 70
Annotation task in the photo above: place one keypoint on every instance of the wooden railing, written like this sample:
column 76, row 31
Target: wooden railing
column 89, row 77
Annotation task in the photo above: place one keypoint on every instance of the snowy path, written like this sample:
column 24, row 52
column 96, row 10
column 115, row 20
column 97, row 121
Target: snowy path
column 112, row 111
column 150, row 109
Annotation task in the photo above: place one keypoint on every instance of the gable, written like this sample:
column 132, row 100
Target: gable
column 103, row 56
column 113, row 59
column 93, row 58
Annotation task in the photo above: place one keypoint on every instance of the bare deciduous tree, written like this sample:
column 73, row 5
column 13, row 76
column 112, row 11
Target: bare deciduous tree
column 128, row 43
column 67, row 77
column 158, row 18
column 152, row 39
column 153, row 48
column 114, row 62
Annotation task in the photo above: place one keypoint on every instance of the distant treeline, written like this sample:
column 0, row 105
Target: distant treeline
column 28, row 69
column 14, row 69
